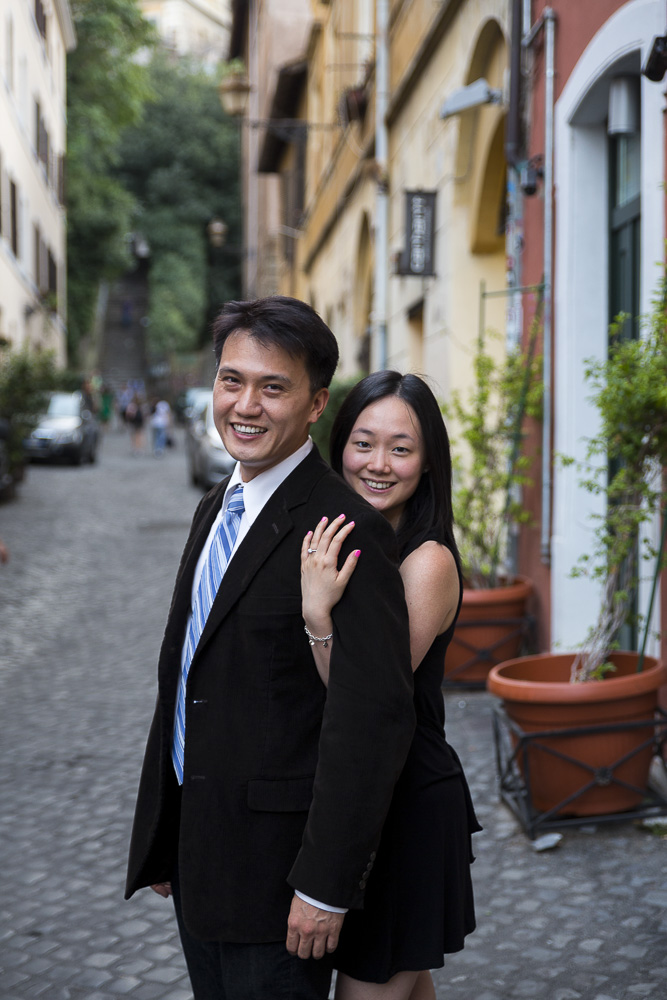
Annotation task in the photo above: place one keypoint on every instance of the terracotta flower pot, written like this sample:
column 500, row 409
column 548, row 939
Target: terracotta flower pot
column 538, row 697
column 489, row 630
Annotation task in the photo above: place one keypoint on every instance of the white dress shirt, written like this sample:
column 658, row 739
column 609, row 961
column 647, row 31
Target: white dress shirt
column 255, row 495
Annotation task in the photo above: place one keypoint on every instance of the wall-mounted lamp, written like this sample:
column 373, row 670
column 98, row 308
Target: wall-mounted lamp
column 473, row 96
column 217, row 232
column 655, row 66
column 234, row 90
column 623, row 117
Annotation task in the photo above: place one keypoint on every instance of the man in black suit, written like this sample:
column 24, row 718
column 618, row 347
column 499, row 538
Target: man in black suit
column 263, row 793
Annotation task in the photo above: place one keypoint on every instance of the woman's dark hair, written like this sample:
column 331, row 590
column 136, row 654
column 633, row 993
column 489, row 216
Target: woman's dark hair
column 428, row 512
column 280, row 321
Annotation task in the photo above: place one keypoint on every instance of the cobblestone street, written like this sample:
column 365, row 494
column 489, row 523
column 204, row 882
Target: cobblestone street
column 94, row 552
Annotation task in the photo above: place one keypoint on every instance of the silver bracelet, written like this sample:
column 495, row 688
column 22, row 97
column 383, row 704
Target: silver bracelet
column 312, row 639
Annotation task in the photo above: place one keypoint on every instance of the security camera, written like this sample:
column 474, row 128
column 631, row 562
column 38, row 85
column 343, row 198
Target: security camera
column 656, row 61
column 530, row 174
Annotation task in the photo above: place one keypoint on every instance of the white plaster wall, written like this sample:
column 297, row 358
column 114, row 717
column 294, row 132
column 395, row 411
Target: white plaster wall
column 38, row 73
column 581, row 287
column 199, row 28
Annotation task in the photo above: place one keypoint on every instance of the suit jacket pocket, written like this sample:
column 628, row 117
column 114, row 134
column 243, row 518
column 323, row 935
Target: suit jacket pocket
column 280, row 794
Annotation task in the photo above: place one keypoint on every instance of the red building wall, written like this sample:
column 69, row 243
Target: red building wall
column 576, row 25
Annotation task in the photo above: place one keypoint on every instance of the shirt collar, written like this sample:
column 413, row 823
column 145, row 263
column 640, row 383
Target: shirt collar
column 258, row 490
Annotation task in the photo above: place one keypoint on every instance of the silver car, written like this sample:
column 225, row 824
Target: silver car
column 208, row 459
column 67, row 430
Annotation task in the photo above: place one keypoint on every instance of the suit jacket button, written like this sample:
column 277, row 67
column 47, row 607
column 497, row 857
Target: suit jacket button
column 369, row 866
column 362, row 885
column 365, row 876
column 373, row 856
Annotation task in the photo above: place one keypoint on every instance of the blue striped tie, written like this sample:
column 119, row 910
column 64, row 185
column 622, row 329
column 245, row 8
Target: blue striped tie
column 212, row 573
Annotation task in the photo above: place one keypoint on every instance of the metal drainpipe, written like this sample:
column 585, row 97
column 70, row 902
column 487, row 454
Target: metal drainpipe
column 513, row 128
column 549, row 27
column 252, row 211
column 381, row 196
column 527, row 16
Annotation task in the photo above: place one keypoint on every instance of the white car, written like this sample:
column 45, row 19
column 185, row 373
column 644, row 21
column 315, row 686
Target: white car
column 208, row 459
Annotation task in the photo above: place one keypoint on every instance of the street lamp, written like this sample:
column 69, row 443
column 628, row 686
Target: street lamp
column 234, row 90
column 217, row 232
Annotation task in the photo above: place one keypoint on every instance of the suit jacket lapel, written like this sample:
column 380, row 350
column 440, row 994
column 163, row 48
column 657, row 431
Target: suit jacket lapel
column 272, row 525
column 195, row 543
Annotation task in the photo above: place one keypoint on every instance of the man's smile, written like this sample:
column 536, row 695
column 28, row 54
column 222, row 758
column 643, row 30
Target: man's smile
column 248, row 429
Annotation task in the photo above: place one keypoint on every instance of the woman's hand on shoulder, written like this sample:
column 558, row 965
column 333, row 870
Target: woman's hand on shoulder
column 431, row 584
column 322, row 582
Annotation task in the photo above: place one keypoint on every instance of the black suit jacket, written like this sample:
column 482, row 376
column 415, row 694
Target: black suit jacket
column 286, row 783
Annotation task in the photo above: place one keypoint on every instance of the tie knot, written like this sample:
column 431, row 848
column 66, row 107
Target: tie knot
column 236, row 505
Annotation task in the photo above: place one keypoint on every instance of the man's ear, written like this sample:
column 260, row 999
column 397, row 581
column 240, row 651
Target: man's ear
column 320, row 400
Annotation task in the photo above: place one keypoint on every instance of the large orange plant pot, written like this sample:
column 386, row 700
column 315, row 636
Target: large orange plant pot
column 539, row 698
column 490, row 629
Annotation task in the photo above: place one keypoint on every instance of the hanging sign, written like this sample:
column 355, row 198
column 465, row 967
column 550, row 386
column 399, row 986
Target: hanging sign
column 418, row 256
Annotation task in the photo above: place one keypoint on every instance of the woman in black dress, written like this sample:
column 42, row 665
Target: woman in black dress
column 390, row 443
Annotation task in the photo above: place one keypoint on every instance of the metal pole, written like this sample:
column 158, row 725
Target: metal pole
column 252, row 137
column 549, row 24
column 382, row 196
column 526, row 17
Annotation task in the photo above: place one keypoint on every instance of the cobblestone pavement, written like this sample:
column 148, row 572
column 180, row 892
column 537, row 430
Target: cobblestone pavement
column 93, row 555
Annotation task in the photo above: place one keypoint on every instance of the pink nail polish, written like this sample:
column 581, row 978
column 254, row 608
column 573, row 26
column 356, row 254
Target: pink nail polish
column 357, row 552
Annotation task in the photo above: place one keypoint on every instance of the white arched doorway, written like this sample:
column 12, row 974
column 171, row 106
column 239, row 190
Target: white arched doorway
column 581, row 278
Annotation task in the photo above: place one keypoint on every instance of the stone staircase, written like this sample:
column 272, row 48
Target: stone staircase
column 122, row 350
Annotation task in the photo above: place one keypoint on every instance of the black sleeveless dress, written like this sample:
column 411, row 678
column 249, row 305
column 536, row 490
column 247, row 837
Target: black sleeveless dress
column 419, row 901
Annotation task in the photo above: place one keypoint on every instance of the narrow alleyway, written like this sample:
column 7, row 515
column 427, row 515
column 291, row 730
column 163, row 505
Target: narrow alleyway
column 84, row 598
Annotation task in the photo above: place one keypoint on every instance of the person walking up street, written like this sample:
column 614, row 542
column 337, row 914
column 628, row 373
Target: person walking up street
column 160, row 422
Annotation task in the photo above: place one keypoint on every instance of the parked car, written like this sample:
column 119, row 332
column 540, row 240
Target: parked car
column 189, row 401
column 208, row 459
column 6, row 478
column 67, row 430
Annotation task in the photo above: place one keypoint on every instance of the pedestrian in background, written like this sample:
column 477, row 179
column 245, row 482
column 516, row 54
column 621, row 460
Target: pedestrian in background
column 106, row 406
column 134, row 418
column 263, row 795
column 160, row 425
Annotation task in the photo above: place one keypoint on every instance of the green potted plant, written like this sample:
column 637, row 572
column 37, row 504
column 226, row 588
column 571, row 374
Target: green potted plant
column 25, row 379
column 606, row 771
column 489, row 473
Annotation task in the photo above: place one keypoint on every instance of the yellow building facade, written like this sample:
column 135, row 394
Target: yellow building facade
column 433, row 50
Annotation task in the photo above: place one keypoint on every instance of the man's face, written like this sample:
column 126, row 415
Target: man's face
column 263, row 405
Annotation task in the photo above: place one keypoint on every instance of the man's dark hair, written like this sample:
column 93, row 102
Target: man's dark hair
column 428, row 512
column 280, row 321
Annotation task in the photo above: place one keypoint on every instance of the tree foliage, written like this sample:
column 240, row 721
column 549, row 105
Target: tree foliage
column 490, row 469
column 180, row 162
column 25, row 379
column 106, row 88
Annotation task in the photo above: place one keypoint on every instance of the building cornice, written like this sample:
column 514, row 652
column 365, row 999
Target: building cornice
column 64, row 15
column 422, row 57
column 202, row 8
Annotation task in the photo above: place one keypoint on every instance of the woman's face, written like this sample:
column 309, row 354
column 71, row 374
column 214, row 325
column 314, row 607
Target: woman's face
column 383, row 459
